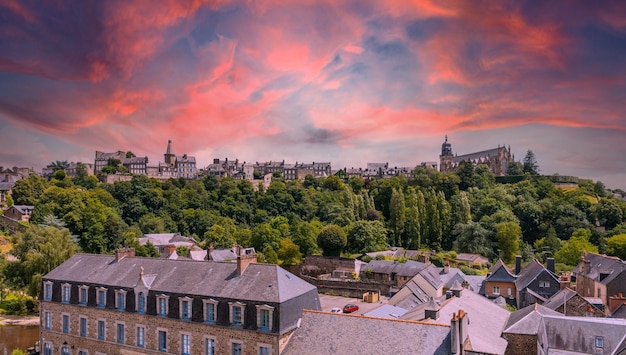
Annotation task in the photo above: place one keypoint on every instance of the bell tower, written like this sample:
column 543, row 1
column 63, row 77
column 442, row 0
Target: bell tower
column 169, row 157
column 445, row 159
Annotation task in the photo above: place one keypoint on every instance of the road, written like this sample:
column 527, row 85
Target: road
column 327, row 302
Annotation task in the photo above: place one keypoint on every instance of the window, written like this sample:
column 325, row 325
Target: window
column 185, row 308
column 209, row 345
column 236, row 313
column 66, row 323
column 141, row 336
column 120, row 300
column 184, row 344
column 120, row 333
column 82, row 295
column 496, row 290
column 210, row 308
column 47, row 291
column 162, row 305
column 162, row 340
column 264, row 317
column 65, row 350
column 47, row 349
column 83, row 326
column 66, row 293
column 102, row 297
column 599, row 342
column 47, row 320
column 236, row 348
column 101, row 329
column 141, row 303
column 82, row 352
column 544, row 283
column 264, row 350
column 509, row 291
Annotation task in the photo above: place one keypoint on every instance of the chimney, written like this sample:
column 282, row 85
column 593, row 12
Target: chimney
column 565, row 280
column 518, row 264
column 432, row 310
column 168, row 250
column 616, row 301
column 550, row 262
column 587, row 263
column 245, row 257
column 209, row 252
column 446, row 267
column 121, row 253
column 458, row 332
column 456, row 289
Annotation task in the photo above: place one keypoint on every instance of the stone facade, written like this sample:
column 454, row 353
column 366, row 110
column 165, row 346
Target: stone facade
column 223, row 337
column 521, row 344
column 497, row 159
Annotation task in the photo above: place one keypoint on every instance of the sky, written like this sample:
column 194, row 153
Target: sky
column 344, row 81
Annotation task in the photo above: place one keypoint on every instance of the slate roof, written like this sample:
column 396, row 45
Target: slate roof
column 478, row 155
column 387, row 311
column 24, row 209
column 259, row 282
column 166, row 238
column 409, row 296
column 475, row 282
column 578, row 334
column 609, row 266
column 529, row 272
column 410, row 268
column 500, row 273
column 6, row 186
column 322, row 333
column 559, row 298
column 487, row 320
column 527, row 320
column 472, row 258
column 619, row 312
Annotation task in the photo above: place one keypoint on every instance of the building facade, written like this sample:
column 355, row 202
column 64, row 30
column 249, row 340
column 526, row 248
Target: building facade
column 121, row 304
column 497, row 159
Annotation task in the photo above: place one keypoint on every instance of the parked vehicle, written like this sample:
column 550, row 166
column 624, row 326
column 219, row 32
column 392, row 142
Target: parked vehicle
column 335, row 310
column 350, row 307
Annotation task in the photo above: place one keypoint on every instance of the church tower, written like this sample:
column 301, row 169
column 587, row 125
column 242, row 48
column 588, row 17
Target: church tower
column 170, row 158
column 445, row 159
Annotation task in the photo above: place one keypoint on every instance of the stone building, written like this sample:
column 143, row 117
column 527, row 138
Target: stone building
column 121, row 304
column 497, row 159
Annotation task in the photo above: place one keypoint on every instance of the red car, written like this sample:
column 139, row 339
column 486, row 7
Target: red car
column 350, row 307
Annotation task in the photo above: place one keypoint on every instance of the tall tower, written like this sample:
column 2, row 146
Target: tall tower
column 445, row 159
column 169, row 157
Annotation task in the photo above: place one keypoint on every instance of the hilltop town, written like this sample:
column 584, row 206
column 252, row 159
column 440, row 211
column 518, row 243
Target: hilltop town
column 474, row 254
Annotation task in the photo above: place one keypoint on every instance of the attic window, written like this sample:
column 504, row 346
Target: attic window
column 599, row 342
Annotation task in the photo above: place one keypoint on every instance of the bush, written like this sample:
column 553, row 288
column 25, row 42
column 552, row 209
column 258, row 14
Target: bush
column 15, row 304
column 469, row 271
column 436, row 260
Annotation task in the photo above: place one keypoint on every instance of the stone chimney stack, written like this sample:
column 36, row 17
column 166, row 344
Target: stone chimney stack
column 446, row 267
column 518, row 264
column 209, row 252
column 245, row 257
column 432, row 310
column 564, row 280
column 587, row 264
column 168, row 250
column 121, row 253
column 459, row 332
column 616, row 301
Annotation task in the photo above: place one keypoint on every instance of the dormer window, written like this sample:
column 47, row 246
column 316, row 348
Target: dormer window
column 210, row 310
column 264, row 315
column 236, row 313
column 141, row 303
column 162, row 305
column 47, row 290
column 65, row 295
column 185, row 308
column 82, row 295
column 120, row 300
column 101, row 296
column 599, row 342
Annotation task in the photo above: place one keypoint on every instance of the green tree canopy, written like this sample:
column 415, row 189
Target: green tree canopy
column 530, row 165
column 509, row 235
column 616, row 245
column 367, row 236
column 332, row 239
column 573, row 249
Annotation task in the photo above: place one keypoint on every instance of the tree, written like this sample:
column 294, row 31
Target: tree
column 466, row 174
column 460, row 211
column 58, row 165
column 305, row 237
column 367, row 236
column 515, row 168
column 616, row 245
column 413, row 228
column 609, row 213
column 264, row 236
column 573, row 249
column 332, row 239
column 289, row 253
column 530, row 165
column 509, row 235
column 471, row 237
column 548, row 245
column 396, row 215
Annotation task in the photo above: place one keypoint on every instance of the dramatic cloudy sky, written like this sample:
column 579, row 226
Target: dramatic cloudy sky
column 349, row 82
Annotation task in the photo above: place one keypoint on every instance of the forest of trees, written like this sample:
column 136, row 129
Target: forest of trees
column 464, row 211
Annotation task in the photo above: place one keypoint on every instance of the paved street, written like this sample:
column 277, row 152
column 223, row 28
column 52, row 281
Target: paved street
column 329, row 302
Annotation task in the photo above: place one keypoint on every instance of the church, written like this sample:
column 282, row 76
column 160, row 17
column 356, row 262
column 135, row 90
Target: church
column 497, row 159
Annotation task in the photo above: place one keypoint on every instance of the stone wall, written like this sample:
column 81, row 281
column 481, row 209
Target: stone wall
column 11, row 224
column 521, row 344
column 198, row 332
column 354, row 289
column 326, row 265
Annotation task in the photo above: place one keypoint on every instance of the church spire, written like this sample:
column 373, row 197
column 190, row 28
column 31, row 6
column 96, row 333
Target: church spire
column 169, row 147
